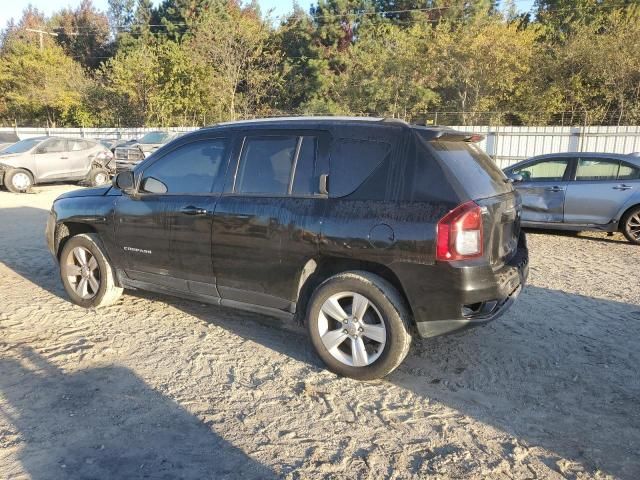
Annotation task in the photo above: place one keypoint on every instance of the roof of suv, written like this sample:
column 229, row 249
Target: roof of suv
column 326, row 121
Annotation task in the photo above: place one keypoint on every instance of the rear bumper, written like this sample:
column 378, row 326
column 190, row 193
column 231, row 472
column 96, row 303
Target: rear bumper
column 455, row 297
column 435, row 328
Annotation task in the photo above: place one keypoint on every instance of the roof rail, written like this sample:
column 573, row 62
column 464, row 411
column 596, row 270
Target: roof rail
column 299, row 119
column 394, row 120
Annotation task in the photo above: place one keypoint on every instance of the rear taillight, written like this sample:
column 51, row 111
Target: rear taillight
column 459, row 233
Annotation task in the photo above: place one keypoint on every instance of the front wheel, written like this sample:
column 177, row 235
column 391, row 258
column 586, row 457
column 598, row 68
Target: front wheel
column 359, row 325
column 86, row 274
column 631, row 225
column 18, row 180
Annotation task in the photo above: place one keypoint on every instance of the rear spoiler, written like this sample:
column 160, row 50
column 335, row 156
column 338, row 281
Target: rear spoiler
column 445, row 134
column 453, row 136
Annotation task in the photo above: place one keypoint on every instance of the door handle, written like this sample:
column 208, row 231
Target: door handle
column 64, row 158
column 554, row 189
column 191, row 210
column 622, row 187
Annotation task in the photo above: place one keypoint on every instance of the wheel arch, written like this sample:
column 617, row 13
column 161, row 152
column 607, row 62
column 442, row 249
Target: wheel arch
column 67, row 229
column 625, row 210
column 317, row 270
column 28, row 170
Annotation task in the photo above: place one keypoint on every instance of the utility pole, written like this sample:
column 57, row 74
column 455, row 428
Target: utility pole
column 41, row 32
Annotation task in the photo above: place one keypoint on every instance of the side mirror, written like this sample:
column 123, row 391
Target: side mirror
column 515, row 178
column 124, row 181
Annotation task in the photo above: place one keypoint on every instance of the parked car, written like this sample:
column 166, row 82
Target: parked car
column 54, row 159
column 7, row 139
column 130, row 154
column 580, row 191
column 113, row 143
column 367, row 230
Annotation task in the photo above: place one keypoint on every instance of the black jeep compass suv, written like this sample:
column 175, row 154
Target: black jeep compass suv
column 367, row 230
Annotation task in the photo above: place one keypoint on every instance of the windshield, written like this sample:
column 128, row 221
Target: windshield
column 154, row 137
column 22, row 146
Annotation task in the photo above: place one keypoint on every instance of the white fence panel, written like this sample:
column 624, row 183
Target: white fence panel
column 508, row 145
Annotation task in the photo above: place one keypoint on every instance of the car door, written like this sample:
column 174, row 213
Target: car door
column 543, row 188
column 264, row 234
column 165, row 228
column 598, row 191
column 79, row 157
column 51, row 160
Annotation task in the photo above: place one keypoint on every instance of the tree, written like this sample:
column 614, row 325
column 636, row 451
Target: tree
column 483, row 67
column 83, row 33
column 121, row 14
column 233, row 43
column 594, row 75
column 390, row 73
column 560, row 18
column 42, row 86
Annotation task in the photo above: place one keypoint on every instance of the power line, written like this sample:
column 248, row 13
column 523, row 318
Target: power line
column 183, row 27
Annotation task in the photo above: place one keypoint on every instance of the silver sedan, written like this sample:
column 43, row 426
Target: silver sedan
column 580, row 191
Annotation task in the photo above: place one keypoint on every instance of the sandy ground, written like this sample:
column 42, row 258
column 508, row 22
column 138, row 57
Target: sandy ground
column 157, row 387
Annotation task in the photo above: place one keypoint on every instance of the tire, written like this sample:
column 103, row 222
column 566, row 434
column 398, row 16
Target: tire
column 102, row 290
column 335, row 341
column 18, row 180
column 97, row 177
column 630, row 225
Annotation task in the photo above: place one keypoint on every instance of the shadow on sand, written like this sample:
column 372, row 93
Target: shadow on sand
column 108, row 423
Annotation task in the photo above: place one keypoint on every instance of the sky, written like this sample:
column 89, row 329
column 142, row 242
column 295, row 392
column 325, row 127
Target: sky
column 13, row 8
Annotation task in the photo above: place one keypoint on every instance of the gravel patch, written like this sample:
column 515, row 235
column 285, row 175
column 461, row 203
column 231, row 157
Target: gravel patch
column 158, row 387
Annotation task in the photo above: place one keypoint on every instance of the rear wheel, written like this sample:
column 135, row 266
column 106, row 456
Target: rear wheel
column 358, row 324
column 18, row 180
column 631, row 225
column 86, row 274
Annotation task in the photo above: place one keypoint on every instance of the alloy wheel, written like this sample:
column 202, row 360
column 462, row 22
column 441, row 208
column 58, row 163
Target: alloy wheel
column 83, row 272
column 633, row 225
column 352, row 329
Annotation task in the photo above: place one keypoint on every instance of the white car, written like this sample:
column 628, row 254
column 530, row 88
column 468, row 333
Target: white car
column 54, row 159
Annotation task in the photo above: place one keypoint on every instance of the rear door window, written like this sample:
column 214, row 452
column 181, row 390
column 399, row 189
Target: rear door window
column 352, row 161
column 265, row 165
column 76, row 145
column 596, row 169
column 546, row 171
column 628, row 172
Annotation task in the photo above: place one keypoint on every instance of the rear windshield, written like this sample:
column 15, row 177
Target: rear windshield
column 154, row 137
column 473, row 168
column 22, row 146
column 6, row 137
